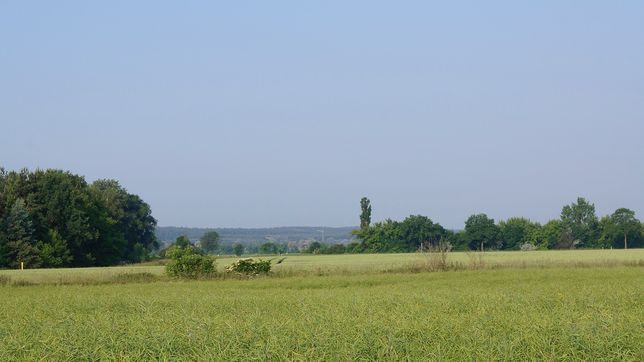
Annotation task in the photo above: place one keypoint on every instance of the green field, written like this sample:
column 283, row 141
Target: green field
column 554, row 305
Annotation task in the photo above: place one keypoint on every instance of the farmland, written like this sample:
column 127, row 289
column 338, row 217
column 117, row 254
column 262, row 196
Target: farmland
column 551, row 305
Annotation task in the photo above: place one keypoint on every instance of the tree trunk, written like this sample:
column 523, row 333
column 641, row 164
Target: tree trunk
column 481, row 246
column 625, row 241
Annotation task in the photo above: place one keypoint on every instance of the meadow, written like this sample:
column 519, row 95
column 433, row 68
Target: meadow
column 546, row 305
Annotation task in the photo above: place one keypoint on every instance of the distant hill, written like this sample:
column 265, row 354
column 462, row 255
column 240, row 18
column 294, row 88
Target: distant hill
column 166, row 234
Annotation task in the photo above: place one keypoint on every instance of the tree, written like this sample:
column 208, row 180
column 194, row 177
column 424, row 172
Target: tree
column 548, row 236
column 516, row 231
column 269, row 248
column 20, row 245
column 98, row 224
column 625, row 223
column 580, row 223
column 336, row 249
column 383, row 236
column 315, row 247
column 209, row 242
column 55, row 252
column 480, row 231
column 418, row 231
column 365, row 215
column 238, row 249
column 182, row 241
column 130, row 228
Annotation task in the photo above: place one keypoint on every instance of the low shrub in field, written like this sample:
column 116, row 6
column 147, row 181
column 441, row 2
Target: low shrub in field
column 186, row 262
column 250, row 266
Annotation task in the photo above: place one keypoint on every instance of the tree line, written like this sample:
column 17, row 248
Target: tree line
column 577, row 227
column 53, row 218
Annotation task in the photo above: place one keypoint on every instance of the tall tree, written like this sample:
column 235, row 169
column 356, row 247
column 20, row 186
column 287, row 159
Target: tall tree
column 580, row 222
column 209, row 242
column 20, row 244
column 365, row 214
column 625, row 223
column 481, row 232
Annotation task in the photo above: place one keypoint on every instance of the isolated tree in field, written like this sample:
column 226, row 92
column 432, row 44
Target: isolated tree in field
column 238, row 249
column 625, row 223
column 580, row 222
column 365, row 214
column 209, row 242
column 20, row 244
column 481, row 231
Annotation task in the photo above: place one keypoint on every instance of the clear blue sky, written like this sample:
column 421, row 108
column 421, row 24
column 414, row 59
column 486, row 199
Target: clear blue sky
column 272, row 113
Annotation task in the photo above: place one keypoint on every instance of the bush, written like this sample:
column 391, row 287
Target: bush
column 186, row 262
column 250, row 267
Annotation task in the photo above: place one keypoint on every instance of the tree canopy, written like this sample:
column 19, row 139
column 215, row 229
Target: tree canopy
column 54, row 218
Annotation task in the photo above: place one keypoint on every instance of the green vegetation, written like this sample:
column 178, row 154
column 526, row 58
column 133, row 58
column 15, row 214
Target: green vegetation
column 578, row 227
column 209, row 242
column 251, row 267
column 52, row 218
column 542, row 305
column 187, row 262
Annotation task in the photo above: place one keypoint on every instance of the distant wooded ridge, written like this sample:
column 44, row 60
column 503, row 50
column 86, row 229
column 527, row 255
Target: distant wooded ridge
column 284, row 234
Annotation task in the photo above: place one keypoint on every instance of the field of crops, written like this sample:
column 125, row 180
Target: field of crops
column 573, row 305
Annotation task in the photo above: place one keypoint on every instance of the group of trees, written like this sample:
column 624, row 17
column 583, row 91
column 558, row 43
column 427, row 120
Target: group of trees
column 208, row 244
column 577, row 227
column 52, row 218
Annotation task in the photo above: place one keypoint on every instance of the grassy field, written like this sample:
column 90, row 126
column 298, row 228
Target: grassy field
column 581, row 305
column 351, row 264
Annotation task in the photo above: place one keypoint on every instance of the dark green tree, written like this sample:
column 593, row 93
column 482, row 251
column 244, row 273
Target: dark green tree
column 418, row 231
column 516, row 231
column 580, row 224
column 209, row 242
column 481, row 232
column 55, row 252
column 625, row 224
column 20, row 244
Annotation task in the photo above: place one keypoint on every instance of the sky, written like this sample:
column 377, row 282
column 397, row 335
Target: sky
column 283, row 113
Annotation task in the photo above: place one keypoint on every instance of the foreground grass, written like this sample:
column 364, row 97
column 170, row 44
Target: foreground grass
column 496, row 314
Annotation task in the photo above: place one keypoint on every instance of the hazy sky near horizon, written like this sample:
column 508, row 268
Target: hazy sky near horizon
column 272, row 113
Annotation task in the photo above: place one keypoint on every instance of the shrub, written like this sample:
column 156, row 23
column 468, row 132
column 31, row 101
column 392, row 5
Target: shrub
column 250, row 266
column 186, row 262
